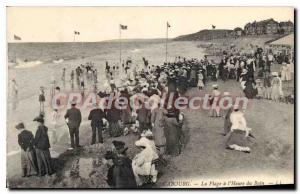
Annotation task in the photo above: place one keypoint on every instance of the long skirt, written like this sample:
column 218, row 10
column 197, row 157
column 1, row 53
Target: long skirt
column 44, row 162
column 173, row 134
column 250, row 92
column 115, row 129
column 159, row 135
column 182, row 85
column 200, row 83
column 275, row 92
column 238, row 141
column 28, row 163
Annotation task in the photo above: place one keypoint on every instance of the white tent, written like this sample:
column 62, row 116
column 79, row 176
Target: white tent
column 287, row 40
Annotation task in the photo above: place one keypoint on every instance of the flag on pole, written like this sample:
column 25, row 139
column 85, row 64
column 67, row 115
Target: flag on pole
column 213, row 27
column 123, row 27
column 168, row 25
column 76, row 33
column 17, row 37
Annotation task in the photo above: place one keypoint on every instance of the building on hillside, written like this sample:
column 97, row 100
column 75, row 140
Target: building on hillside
column 250, row 28
column 286, row 27
column 269, row 27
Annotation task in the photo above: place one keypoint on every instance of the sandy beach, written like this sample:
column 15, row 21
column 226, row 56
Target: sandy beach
column 272, row 148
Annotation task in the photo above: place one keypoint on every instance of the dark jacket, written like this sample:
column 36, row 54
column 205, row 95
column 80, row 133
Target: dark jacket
column 120, row 175
column 143, row 115
column 74, row 116
column 41, row 139
column 96, row 116
column 113, row 114
column 26, row 140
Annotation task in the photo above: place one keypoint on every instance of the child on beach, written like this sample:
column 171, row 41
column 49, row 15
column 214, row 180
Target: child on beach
column 214, row 99
column 63, row 74
column 81, row 82
column 260, row 89
column 53, row 84
column 200, row 81
column 14, row 87
column 52, row 133
column 72, row 79
column 42, row 100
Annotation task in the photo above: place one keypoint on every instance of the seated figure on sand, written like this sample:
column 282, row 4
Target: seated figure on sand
column 239, row 132
column 143, row 162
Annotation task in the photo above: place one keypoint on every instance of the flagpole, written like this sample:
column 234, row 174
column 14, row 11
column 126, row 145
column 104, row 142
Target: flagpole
column 167, row 43
column 213, row 33
column 120, row 44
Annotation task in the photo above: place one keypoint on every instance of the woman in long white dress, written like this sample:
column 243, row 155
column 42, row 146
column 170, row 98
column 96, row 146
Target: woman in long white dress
column 200, row 81
column 276, row 87
column 284, row 72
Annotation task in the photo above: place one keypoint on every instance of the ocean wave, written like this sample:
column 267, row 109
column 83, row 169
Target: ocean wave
column 135, row 51
column 27, row 64
column 58, row 61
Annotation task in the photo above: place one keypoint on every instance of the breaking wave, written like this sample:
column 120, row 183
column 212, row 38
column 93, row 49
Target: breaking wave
column 27, row 64
column 135, row 51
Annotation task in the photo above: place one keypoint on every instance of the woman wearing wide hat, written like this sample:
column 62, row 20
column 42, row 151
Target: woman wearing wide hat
column 42, row 146
column 120, row 174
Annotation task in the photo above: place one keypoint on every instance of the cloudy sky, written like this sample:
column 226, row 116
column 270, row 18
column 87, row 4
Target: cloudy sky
column 56, row 24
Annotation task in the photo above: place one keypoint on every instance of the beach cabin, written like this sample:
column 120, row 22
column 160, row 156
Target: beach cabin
column 284, row 45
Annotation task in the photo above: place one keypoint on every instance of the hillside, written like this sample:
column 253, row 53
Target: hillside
column 205, row 35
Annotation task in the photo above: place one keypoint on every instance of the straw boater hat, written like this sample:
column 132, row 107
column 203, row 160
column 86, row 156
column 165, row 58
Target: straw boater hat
column 20, row 126
column 275, row 74
column 215, row 86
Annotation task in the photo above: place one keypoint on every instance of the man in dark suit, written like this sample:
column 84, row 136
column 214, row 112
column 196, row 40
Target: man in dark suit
column 73, row 119
column 96, row 115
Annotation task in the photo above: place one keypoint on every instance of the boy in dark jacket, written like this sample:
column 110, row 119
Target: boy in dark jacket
column 26, row 142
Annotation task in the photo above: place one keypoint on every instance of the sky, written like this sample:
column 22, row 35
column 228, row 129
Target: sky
column 57, row 24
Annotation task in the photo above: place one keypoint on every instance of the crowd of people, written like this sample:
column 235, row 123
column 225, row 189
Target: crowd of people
column 159, row 128
column 253, row 71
